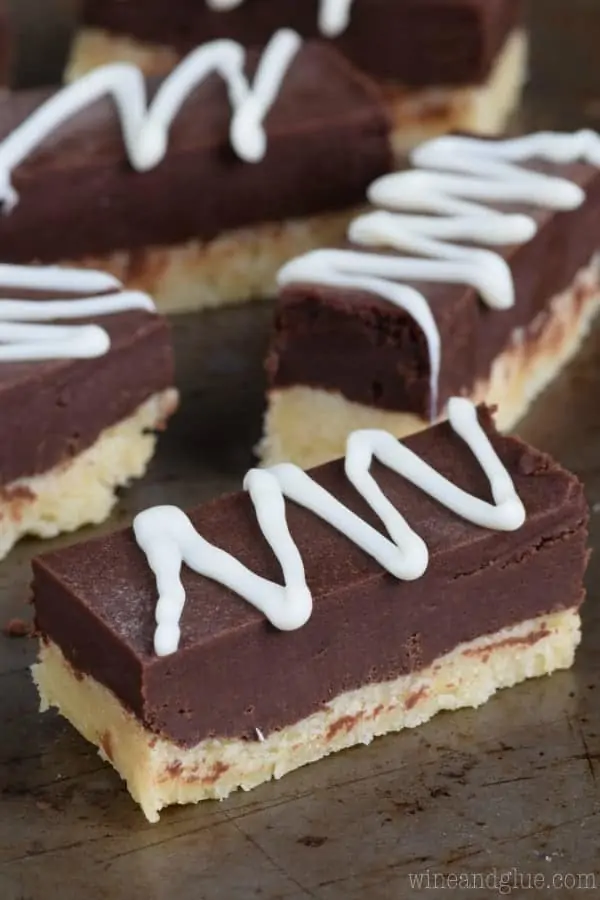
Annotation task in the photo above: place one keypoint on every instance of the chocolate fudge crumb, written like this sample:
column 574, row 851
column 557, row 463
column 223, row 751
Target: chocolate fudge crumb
column 18, row 628
column 311, row 840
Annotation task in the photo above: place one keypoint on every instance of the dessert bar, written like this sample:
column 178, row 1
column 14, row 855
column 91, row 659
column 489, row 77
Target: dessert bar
column 474, row 273
column 443, row 64
column 199, row 197
column 365, row 605
column 86, row 379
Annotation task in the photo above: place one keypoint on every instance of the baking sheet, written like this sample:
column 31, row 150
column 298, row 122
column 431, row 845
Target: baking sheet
column 510, row 788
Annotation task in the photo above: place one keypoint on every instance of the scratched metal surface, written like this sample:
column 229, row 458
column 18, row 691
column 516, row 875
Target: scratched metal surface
column 513, row 785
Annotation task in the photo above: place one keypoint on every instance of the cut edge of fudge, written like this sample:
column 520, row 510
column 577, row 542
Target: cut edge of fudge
column 517, row 377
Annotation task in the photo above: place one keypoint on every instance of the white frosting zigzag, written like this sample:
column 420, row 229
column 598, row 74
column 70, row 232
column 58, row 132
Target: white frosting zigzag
column 146, row 127
column 334, row 15
column 22, row 340
column 168, row 538
column 440, row 204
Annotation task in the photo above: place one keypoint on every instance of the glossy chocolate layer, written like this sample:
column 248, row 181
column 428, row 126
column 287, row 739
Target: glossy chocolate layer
column 415, row 42
column 373, row 352
column 6, row 42
column 327, row 139
column 234, row 672
column 53, row 410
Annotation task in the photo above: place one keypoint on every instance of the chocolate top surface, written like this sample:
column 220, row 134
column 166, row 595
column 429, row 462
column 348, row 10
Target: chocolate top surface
column 97, row 600
column 6, row 45
column 416, row 42
column 327, row 138
column 54, row 409
column 374, row 353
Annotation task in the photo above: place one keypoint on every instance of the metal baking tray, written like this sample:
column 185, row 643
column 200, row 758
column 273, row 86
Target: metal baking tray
column 496, row 797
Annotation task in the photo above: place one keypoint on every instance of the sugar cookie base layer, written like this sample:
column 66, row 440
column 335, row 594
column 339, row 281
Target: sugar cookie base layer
column 159, row 773
column 417, row 114
column 309, row 426
column 82, row 491
column 235, row 267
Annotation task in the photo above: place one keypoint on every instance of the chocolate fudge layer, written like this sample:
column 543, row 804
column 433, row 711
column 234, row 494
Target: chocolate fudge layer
column 327, row 137
column 6, row 41
column 96, row 601
column 415, row 42
column 77, row 428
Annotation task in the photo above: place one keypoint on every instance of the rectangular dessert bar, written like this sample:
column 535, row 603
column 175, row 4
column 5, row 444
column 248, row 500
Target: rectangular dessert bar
column 445, row 64
column 475, row 273
column 204, row 207
column 368, row 635
column 86, row 380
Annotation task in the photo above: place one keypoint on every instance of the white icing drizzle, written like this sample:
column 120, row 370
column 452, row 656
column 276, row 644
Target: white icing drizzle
column 146, row 127
column 224, row 5
column 434, row 210
column 168, row 538
column 22, row 340
column 334, row 15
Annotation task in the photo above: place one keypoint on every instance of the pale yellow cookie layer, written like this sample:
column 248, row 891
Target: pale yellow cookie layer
column 235, row 267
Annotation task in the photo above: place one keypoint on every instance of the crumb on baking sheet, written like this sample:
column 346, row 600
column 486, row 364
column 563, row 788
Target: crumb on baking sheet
column 17, row 628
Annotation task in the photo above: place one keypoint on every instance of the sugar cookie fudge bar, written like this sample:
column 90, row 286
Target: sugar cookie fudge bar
column 473, row 273
column 376, row 627
column 201, row 197
column 443, row 64
column 86, row 379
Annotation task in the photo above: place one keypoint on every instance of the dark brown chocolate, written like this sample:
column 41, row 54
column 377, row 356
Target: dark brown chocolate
column 234, row 672
column 53, row 410
column 415, row 42
column 328, row 137
column 6, row 45
column 374, row 353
